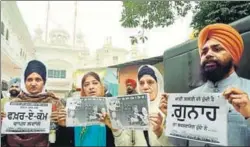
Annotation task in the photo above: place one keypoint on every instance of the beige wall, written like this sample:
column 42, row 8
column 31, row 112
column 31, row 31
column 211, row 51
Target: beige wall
column 125, row 73
column 131, row 72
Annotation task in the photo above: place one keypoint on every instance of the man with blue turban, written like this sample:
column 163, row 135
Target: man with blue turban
column 14, row 90
column 14, row 87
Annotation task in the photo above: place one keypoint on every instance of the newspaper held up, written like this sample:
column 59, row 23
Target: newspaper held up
column 85, row 111
column 129, row 112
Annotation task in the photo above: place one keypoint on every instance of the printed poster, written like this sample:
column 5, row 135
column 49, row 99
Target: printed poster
column 26, row 118
column 198, row 117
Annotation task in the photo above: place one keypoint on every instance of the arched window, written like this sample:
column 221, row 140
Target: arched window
column 21, row 51
column 7, row 34
column 2, row 28
column 115, row 59
column 4, row 86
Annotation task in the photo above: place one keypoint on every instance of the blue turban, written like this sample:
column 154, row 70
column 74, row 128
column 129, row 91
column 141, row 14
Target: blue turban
column 145, row 70
column 37, row 67
column 16, row 81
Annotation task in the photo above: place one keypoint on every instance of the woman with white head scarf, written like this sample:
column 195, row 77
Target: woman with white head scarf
column 150, row 81
column 147, row 75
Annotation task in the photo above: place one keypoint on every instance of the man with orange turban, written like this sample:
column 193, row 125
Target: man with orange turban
column 131, row 86
column 220, row 49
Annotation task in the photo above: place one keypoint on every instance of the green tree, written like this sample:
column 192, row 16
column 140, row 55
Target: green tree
column 209, row 12
column 149, row 14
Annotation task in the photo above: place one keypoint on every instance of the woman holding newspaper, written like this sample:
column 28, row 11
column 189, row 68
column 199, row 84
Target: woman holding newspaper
column 95, row 135
column 150, row 81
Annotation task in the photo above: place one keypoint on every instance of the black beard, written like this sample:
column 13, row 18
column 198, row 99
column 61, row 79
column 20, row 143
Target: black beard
column 130, row 91
column 14, row 93
column 218, row 73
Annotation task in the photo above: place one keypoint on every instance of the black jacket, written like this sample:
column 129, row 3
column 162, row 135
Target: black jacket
column 110, row 142
column 65, row 137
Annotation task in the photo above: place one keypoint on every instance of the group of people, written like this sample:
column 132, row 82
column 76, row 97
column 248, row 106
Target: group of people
column 220, row 49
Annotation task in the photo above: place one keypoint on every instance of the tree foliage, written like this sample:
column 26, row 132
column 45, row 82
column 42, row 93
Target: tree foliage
column 149, row 14
column 209, row 12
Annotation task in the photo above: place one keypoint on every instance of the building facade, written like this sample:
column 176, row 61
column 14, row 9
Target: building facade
column 63, row 60
column 60, row 57
column 16, row 43
column 110, row 55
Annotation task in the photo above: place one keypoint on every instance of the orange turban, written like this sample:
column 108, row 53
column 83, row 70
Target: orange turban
column 226, row 35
